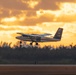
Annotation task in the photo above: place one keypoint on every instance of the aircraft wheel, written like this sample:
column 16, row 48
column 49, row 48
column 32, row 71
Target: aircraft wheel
column 36, row 43
column 30, row 43
column 20, row 42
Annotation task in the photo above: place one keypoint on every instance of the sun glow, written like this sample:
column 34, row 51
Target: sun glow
column 68, row 8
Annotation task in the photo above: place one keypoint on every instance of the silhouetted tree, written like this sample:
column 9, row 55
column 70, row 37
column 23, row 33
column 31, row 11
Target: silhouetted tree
column 36, row 55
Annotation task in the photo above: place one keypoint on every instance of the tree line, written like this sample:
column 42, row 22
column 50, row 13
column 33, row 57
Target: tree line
column 36, row 55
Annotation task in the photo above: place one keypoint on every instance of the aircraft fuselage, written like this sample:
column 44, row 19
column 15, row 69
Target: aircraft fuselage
column 37, row 39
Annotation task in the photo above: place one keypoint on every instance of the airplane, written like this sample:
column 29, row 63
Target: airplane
column 40, row 37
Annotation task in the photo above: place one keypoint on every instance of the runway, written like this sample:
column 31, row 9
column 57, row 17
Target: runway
column 18, row 69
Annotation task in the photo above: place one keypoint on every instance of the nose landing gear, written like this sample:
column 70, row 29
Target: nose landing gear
column 35, row 44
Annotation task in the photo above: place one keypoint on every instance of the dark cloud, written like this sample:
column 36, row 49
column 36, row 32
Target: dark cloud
column 44, row 4
column 50, row 4
column 19, row 5
column 13, row 4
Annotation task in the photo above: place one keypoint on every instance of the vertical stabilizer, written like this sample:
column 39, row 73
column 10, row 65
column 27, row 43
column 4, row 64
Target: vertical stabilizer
column 58, row 34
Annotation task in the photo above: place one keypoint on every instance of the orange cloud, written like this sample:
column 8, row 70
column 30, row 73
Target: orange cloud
column 51, row 4
column 67, row 12
column 33, row 17
column 31, row 3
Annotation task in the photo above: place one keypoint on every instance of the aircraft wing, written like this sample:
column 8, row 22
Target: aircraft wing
column 28, row 35
column 24, row 34
column 34, row 35
column 46, row 34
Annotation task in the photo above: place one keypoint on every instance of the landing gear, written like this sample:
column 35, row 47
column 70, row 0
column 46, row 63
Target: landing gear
column 20, row 42
column 31, row 43
column 36, row 43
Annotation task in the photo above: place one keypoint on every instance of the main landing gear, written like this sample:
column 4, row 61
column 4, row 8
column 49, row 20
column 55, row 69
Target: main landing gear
column 31, row 43
column 20, row 42
column 35, row 43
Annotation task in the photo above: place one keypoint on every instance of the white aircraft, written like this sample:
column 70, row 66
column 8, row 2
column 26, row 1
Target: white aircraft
column 40, row 37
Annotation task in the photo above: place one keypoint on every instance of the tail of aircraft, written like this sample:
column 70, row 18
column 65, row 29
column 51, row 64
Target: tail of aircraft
column 58, row 34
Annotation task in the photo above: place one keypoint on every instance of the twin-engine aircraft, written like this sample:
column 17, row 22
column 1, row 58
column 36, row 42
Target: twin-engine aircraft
column 40, row 37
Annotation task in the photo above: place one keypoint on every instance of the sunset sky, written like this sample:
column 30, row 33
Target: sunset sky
column 38, row 16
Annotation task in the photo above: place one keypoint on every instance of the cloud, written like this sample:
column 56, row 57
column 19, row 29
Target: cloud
column 50, row 4
column 18, row 4
column 70, row 27
column 25, row 29
column 24, row 14
column 30, row 13
column 13, row 4
column 31, row 3
column 26, row 18
column 38, row 20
